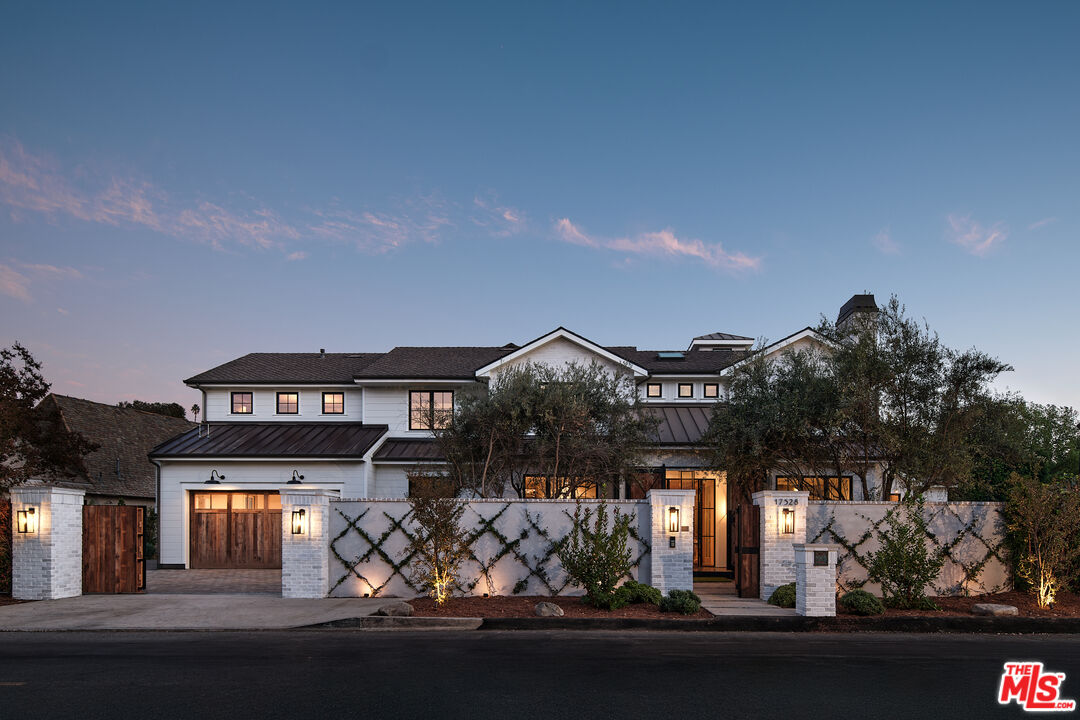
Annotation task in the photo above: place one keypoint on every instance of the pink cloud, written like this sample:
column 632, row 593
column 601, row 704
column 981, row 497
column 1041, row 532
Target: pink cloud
column 298, row 255
column 14, row 284
column 885, row 244
column 500, row 220
column 973, row 237
column 663, row 243
column 1042, row 223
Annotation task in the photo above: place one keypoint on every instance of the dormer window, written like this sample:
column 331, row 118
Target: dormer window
column 333, row 403
column 686, row 390
column 712, row 390
column 242, row 404
column 654, row 390
column 288, row 403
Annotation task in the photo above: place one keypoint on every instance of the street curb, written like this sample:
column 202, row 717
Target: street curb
column 379, row 622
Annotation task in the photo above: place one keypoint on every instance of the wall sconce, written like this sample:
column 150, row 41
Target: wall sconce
column 673, row 519
column 787, row 521
column 27, row 520
column 299, row 522
column 215, row 478
column 296, row 478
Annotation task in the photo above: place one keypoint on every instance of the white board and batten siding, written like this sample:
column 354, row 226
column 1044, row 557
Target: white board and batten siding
column 264, row 405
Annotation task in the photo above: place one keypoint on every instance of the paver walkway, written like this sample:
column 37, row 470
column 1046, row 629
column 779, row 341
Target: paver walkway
column 720, row 598
column 213, row 582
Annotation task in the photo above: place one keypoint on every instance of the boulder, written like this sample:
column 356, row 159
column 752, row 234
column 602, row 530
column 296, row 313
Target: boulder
column 993, row 609
column 548, row 609
column 397, row 609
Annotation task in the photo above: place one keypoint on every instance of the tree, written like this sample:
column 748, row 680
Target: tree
column 439, row 547
column 903, row 564
column 1042, row 525
column 175, row 410
column 32, row 444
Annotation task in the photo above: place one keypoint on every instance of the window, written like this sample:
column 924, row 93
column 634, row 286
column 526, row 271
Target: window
column 333, row 403
column 539, row 486
column 833, row 488
column 654, row 390
column 288, row 403
column 712, row 390
column 241, row 403
column 430, row 409
column 686, row 390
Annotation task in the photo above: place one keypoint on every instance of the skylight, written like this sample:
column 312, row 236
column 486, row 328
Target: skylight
column 670, row 355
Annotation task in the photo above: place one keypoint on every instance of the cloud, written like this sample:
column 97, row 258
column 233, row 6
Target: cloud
column 972, row 236
column 885, row 244
column 298, row 255
column 1042, row 223
column 500, row 220
column 14, row 284
column 62, row 311
column 663, row 243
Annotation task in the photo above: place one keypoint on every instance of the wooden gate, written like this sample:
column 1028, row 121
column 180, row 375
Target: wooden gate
column 748, row 550
column 113, row 549
column 235, row 530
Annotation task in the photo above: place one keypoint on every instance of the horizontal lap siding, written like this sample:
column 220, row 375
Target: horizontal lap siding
column 219, row 405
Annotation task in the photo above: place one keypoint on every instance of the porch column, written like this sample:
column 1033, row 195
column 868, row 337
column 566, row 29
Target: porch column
column 815, row 579
column 46, row 548
column 672, row 561
column 305, row 542
column 783, row 524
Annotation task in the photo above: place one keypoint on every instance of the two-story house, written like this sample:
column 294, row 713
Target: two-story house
column 356, row 423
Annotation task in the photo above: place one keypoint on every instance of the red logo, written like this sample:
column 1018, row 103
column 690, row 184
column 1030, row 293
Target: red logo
column 1031, row 688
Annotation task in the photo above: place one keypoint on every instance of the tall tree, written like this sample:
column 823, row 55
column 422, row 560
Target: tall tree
column 175, row 410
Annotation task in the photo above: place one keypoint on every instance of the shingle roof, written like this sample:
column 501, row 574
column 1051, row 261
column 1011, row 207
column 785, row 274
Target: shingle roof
column 432, row 362
column 679, row 424
column 118, row 468
column 723, row 336
column 302, row 368
column 242, row 439
column 418, row 449
column 692, row 362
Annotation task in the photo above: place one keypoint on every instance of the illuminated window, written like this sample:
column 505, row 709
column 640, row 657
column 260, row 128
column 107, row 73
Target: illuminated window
column 540, row 486
column 241, row 403
column 712, row 390
column 288, row 403
column 833, row 488
column 333, row 403
column 654, row 390
column 686, row 390
column 430, row 409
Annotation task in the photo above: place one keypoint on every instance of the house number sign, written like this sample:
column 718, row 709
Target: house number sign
column 786, row 501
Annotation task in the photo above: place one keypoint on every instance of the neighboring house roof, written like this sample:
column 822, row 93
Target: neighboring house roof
column 118, row 468
column 432, row 362
column 244, row 439
column 723, row 336
column 300, row 368
column 679, row 424
column 409, row 449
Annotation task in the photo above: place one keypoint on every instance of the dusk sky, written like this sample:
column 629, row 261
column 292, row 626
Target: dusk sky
column 183, row 185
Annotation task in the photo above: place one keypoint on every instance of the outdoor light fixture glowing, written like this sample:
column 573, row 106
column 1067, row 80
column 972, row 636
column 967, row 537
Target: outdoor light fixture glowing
column 787, row 524
column 296, row 478
column 299, row 522
column 27, row 520
column 673, row 519
column 215, row 478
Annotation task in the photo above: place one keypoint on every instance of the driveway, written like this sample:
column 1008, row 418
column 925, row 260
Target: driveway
column 213, row 582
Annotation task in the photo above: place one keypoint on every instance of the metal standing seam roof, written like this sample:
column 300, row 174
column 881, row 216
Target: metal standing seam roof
column 680, row 424
column 406, row 449
column 723, row 336
column 281, row 439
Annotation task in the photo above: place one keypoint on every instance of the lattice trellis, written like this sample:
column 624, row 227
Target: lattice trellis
column 509, row 547
column 965, row 548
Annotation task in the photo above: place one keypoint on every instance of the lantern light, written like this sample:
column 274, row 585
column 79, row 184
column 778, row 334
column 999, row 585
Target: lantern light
column 27, row 520
column 673, row 519
column 299, row 522
column 215, row 478
column 296, row 478
column 787, row 525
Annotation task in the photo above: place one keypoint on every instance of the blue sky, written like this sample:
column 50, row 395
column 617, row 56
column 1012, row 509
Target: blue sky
column 180, row 186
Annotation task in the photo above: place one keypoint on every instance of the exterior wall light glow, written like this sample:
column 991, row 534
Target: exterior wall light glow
column 299, row 522
column 673, row 519
column 787, row 521
column 27, row 520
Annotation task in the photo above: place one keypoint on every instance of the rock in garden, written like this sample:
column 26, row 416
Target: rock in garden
column 993, row 609
column 547, row 609
column 398, row 609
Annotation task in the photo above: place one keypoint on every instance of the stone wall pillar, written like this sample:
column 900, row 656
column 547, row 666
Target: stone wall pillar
column 46, row 560
column 305, row 555
column 815, row 579
column 672, row 561
column 777, row 546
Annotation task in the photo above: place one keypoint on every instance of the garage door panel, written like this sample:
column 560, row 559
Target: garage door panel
column 235, row 530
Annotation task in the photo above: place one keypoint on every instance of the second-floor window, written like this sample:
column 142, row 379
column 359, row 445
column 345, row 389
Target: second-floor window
column 241, row 403
column 654, row 390
column 712, row 390
column 430, row 409
column 686, row 390
column 288, row 403
column 333, row 403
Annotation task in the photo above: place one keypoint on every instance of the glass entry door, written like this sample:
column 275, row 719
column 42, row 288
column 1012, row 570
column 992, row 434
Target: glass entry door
column 705, row 516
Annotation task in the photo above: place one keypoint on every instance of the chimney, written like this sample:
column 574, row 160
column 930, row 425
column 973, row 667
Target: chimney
column 858, row 307
column 322, row 351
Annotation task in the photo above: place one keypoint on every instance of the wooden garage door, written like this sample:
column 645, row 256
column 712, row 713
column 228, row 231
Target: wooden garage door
column 235, row 530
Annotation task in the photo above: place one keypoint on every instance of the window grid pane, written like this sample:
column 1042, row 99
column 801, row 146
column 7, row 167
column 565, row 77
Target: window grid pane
column 333, row 403
column 241, row 403
column 288, row 403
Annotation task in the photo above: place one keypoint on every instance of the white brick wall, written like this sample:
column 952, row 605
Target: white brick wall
column 815, row 586
column 672, row 568
column 47, row 564
column 777, row 547
column 305, row 559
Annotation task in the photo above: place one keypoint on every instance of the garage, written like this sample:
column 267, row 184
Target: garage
column 235, row 530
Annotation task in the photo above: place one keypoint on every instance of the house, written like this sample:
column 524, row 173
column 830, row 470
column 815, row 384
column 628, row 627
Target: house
column 357, row 423
column 118, row 469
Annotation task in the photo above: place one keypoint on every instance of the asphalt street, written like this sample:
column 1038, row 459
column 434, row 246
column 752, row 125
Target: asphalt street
column 339, row 674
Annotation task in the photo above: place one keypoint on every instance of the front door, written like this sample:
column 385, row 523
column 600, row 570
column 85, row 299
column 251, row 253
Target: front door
column 707, row 486
column 235, row 530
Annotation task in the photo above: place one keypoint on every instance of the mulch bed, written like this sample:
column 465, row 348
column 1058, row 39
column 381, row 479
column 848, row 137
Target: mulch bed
column 1066, row 605
column 525, row 606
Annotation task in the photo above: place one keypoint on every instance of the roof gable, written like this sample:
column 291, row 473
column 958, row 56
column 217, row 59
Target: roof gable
column 561, row 334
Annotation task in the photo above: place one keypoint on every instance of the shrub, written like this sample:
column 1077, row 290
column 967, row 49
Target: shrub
column 903, row 564
column 783, row 596
column 1044, row 535
column 861, row 602
column 439, row 546
column 680, row 601
column 641, row 593
column 596, row 558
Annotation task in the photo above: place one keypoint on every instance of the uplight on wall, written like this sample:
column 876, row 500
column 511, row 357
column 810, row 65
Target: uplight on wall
column 27, row 520
column 299, row 522
column 787, row 521
column 673, row 519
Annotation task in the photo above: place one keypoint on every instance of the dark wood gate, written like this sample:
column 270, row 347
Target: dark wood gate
column 113, row 549
column 748, row 550
column 235, row 530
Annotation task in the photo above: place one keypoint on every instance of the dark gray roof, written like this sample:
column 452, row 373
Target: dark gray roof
column 432, row 362
column 857, row 303
column 723, row 336
column 692, row 362
column 680, row 424
column 301, row 368
column 418, row 449
column 240, row 439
